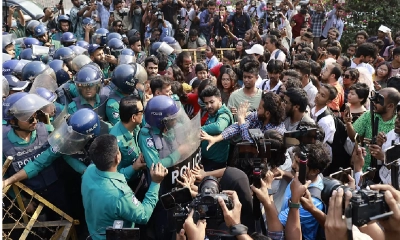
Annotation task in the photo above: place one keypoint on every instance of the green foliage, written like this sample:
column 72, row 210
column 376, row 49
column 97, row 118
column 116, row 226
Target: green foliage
column 368, row 15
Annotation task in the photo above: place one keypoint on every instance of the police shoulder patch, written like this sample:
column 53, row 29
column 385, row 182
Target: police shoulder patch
column 135, row 200
column 149, row 142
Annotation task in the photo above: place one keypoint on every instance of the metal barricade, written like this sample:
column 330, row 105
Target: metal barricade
column 20, row 223
column 199, row 55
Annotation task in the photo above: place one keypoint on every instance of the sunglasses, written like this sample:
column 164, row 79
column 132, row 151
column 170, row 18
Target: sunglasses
column 345, row 76
column 141, row 111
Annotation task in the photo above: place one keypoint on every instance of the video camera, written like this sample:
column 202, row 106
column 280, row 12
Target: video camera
column 273, row 16
column 205, row 205
column 365, row 205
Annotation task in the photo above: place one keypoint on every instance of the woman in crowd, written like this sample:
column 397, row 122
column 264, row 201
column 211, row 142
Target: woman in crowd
column 382, row 73
column 357, row 97
column 227, row 84
column 350, row 77
column 240, row 50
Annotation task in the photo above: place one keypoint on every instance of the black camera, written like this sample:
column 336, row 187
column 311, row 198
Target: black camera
column 377, row 98
column 123, row 12
column 366, row 205
column 159, row 15
column 154, row 6
column 273, row 15
column 205, row 205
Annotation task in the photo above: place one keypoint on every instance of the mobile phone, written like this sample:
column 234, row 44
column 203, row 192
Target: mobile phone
column 180, row 196
column 111, row 13
column 342, row 175
column 356, row 142
column 367, row 177
column 347, row 108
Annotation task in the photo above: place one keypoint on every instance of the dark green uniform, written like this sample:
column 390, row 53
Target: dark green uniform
column 214, row 126
column 127, row 143
column 107, row 197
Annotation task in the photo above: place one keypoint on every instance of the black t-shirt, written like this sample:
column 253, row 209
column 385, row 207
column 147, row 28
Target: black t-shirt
column 170, row 14
column 236, row 180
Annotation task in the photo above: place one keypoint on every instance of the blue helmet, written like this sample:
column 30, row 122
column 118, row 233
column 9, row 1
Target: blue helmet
column 158, row 109
column 88, row 75
column 169, row 40
column 116, row 46
column 46, row 94
column 9, row 101
column 65, row 54
column 128, row 52
column 79, row 50
column 15, row 84
column 132, row 32
column 29, row 42
column 126, row 76
column 85, row 121
column 32, row 69
column 67, row 38
column 30, row 28
column 83, row 44
column 88, row 21
column 40, row 30
column 154, row 48
column 100, row 36
column 61, row 75
column 27, row 54
column 64, row 18
column 9, row 66
column 114, row 35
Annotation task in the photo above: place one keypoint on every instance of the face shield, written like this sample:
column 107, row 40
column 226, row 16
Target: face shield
column 80, row 51
column 67, row 141
column 6, row 57
column 50, row 72
column 177, row 48
column 5, row 87
column 183, row 131
column 100, row 39
column 18, row 68
column 25, row 107
column 79, row 62
column 126, row 59
column 44, row 81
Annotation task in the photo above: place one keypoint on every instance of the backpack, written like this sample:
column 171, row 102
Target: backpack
column 340, row 158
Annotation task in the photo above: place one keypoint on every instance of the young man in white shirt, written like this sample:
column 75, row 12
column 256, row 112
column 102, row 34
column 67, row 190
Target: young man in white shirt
column 363, row 56
column 325, row 95
column 272, row 45
column 304, row 68
column 273, row 84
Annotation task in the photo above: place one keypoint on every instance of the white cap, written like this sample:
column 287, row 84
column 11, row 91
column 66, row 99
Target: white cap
column 256, row 49
column 384, row 29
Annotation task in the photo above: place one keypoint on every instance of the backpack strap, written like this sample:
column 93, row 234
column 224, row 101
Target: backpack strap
column 324, row 114
column 277, row 53
column 264, row 84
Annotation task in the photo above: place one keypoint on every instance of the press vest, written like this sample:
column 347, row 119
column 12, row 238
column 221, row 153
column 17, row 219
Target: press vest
column 23, row 155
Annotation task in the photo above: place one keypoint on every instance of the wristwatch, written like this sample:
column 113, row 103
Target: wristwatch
column 238, row 229
column 293, row 205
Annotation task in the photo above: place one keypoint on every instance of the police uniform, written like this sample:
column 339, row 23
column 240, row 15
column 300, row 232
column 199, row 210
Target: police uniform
column 107, row 197
column 127, row 143
column 158, row 147
column 112, row 109
column 80, row 102
column 44, row 182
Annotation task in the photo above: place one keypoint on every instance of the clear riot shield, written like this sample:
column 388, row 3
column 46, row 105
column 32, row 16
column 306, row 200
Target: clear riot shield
column 61, row 118
column 6, row 57
column 67, row 141
column 44, row 81
column 185, row 132
column 25, row 107
column 49, row 71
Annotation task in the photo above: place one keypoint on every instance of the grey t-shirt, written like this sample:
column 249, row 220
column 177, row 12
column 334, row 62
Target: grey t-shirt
column 293, row 126
column 238, row 96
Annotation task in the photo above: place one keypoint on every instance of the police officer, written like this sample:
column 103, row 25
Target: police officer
column 106, row 195
column 65, row 54
column 88, row 83
column 41, row 34
column 125, row 77
column 97, row 55
column 161, row 142
column 15, row 85
column 25, row 141
column 63, row 25
column 9, row 45
column 68, row 39
column 126, row 132
column 33, row 69
column 84, row 125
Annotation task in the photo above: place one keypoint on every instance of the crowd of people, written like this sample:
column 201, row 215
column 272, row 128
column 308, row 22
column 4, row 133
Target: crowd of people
column 110, row 109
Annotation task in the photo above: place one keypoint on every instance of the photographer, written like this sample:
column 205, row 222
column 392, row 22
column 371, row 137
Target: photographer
column 158, row 28
column 79, row 11
column 169, row 8
column 107, row 196
column 49, row 18
column 123, row 14
column 386, row 117
column 16, row 27
column 318, row 159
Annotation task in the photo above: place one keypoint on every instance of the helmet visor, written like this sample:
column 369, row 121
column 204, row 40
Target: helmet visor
column 44, row 81
column 18, row 68
column 25, row 107
column 67, row 141
column 185, row 132
column 126, row 59
column 61, row 118
column 50, row 72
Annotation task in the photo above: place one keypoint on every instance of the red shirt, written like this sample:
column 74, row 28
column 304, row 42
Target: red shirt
column 192, row 107
column 299, row 20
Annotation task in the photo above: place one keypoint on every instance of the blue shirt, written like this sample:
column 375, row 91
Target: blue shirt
column 333, row 21
column 205, row 29
column 251, row 122
column 309, row 225
column 104, row 14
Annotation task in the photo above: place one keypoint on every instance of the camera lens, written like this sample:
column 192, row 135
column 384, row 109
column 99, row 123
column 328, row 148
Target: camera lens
column 209, row 185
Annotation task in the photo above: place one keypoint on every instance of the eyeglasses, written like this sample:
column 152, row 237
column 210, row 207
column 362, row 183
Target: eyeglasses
column 119, row 26
column 345, row 76
column 141, row 111
column 32, row 118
